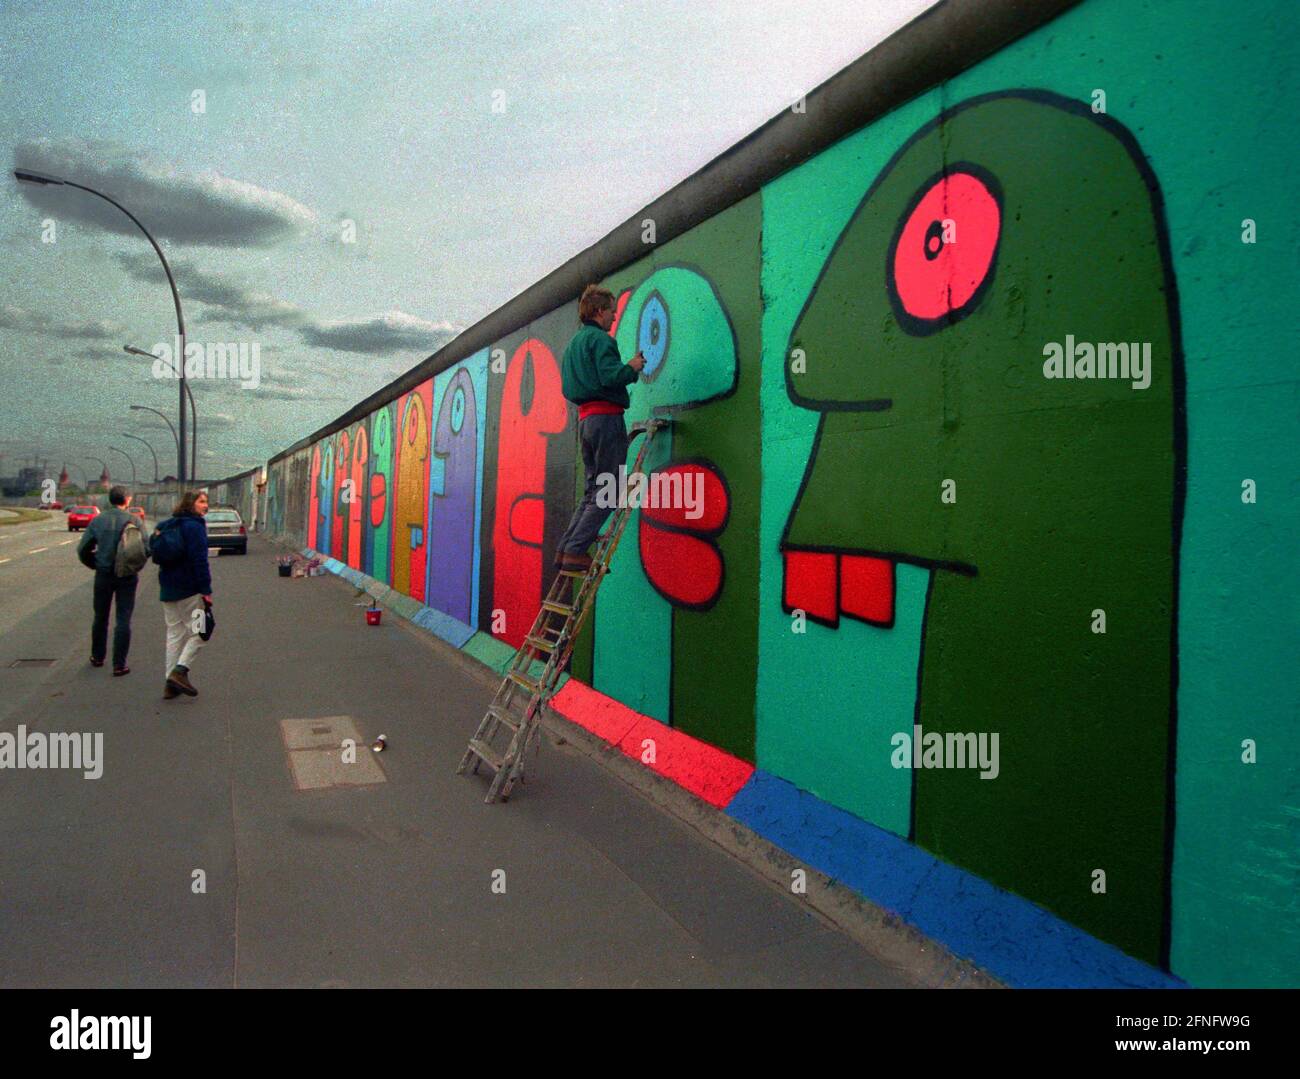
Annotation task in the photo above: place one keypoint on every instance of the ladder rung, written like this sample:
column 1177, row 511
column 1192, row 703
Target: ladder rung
column 574, row 572
column 486, row 753
column 558, row 608
column 524, row 680
column 502, row 716
column 540, row 644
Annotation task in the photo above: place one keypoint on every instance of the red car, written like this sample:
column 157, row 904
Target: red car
column 80, row 516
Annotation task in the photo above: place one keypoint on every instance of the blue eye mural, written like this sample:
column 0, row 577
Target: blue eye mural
column 652, row 335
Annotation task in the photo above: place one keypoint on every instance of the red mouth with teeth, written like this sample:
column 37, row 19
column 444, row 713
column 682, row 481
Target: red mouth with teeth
column 825, row 585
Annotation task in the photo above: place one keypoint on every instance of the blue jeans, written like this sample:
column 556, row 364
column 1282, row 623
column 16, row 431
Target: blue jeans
column 604, row 449
column 112, row 590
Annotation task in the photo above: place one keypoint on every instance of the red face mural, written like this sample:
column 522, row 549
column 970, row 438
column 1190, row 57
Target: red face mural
column 532, row 407
column 338, row 541
column 360, row 455
column 313, row 499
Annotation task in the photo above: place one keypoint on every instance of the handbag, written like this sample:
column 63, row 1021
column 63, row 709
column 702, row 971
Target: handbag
column 209, row 622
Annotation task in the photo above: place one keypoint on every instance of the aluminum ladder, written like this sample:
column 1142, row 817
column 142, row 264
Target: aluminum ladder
column 506, row 730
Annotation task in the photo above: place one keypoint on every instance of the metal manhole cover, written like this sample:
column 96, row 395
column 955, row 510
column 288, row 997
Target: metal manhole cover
column 32, row 663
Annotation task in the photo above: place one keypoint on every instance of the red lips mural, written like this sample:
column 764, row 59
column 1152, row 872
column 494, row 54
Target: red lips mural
column 678, row 553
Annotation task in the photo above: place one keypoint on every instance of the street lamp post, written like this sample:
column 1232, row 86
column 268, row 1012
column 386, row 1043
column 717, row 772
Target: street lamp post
column 26, row 176
column 146, row 408
column 129, row 461
column 194, row 416
column 149, row 448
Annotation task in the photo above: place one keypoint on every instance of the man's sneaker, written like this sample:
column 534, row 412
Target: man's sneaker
column 96, row 662
column 170, row 691
column 181, row 680
column 119, row 671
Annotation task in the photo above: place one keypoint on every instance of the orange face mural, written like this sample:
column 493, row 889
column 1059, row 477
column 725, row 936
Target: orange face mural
column 412, row 493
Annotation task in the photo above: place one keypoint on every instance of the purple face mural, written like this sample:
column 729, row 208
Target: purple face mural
column 452, row 508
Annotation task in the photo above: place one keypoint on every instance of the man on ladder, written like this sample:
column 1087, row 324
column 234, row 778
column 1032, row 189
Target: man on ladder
column 595, row 378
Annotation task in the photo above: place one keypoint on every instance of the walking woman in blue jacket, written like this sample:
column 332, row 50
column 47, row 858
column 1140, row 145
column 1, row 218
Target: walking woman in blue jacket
column 186, row 586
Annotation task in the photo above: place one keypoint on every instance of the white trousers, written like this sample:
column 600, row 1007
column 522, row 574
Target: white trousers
column 183, row 628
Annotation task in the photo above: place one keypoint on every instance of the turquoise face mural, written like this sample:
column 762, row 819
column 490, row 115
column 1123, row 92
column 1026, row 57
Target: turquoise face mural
column 667, row 557
column 380, row 495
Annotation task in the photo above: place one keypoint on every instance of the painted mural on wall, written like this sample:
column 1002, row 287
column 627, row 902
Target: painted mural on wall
column 530, row 411
column 456, row 487
column 940, row 407
column 896, row 380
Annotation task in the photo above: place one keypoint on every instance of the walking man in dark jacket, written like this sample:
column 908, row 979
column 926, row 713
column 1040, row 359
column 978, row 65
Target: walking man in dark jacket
column 595, row 378
column 185, row 585
column 98, row 549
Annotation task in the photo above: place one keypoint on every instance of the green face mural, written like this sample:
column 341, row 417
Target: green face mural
column 1016, row 226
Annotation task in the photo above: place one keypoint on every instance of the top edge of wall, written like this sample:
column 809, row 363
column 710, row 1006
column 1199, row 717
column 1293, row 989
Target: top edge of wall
column 937, row 45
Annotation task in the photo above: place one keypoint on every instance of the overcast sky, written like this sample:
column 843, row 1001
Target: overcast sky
column 474, row 148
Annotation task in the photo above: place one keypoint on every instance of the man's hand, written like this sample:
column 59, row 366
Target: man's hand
column 637, row 363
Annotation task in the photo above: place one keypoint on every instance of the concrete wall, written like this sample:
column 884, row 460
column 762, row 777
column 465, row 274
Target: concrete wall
column 906, row 522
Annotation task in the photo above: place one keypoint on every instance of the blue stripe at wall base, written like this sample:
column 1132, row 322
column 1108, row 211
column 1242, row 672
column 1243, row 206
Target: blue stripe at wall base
column 451, row 630
column 1018, row 943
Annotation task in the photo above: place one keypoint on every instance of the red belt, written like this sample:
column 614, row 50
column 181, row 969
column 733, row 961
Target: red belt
column 599, row 408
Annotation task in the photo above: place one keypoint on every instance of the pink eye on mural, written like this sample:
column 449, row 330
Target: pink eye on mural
column 942, row 256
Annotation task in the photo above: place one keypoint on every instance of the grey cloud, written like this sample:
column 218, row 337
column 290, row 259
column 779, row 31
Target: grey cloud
column 234, row 304
column 189, row 208
column 394, row 331
column 229, row 301
column 22, row 319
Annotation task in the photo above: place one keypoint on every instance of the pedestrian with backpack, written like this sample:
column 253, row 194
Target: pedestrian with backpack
column 115, row 548
column 179, row 546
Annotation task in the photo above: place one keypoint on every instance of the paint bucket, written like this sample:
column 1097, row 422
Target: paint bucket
column 380, row 744
column 372, row 616
column 286, row 570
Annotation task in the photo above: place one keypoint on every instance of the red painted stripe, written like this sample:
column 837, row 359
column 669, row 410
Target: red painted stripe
column 603, row 716
column 706, row 771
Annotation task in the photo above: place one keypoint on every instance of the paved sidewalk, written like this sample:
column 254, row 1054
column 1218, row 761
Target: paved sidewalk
column 380, row 885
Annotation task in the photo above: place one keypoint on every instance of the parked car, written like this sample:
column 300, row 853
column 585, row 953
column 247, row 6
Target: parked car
column 226, row 530
column 138, row 513
column 56, row 505
column 80, row 516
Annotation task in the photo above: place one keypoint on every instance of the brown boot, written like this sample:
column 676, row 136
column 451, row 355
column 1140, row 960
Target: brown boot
column 580, row 562
column 170, row 691
column 181, row 680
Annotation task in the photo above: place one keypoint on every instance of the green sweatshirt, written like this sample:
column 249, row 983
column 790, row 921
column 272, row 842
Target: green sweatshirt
column 592, row 369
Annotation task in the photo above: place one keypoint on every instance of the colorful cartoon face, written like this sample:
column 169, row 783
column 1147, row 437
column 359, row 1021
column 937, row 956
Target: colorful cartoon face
column 532, row 408
column 1017, row 223
column 675, row 319
column 455, row 501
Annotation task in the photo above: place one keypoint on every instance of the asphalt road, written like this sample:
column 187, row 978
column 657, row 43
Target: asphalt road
column 388, row 884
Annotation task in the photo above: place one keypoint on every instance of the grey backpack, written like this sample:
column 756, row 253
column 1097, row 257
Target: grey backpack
column 131, row 553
